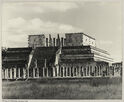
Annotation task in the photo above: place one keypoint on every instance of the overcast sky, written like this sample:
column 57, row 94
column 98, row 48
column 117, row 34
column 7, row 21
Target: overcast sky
column 102, row 20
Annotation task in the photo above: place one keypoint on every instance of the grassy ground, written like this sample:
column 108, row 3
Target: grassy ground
column 59, row 90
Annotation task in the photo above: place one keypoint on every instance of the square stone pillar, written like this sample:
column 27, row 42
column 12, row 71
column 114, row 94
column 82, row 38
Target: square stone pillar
column 63, row 71
column 73, row 71
column 18, row 72
column 43, row 72
column 94, row 71
column 14, row 73
column 53, row 71
column 47, row 72
column 10, row 73
column 60, row 71
column 89, row 70
column 7, row 73
column 2, row 73
column 57, row 71
column 76, row 72
column 80, row 71
column 70, row 71
column 27, row 73
column 33, row 72
column 99, row 71
column 54, row 42
column 86, row 71
column 38, row 72
column 24, row 73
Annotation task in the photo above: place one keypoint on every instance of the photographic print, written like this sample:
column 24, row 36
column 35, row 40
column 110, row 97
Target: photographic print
column 59, row 49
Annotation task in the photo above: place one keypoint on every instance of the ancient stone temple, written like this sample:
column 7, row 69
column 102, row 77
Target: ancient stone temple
column 75, row 56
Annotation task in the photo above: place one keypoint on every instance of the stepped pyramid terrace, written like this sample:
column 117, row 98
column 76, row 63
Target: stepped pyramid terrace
column 75, row 56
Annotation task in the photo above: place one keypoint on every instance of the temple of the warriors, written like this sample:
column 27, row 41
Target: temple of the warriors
column 73, row 56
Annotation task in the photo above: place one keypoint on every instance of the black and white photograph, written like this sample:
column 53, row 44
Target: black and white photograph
column 61, row 50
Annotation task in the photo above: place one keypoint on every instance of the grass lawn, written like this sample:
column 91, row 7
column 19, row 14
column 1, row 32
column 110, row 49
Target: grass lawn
column 60, row 90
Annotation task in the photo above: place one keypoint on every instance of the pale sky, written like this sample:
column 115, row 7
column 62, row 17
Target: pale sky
column 101, row 20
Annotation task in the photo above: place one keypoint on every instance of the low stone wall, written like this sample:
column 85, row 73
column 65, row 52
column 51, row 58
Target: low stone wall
column 92, row 81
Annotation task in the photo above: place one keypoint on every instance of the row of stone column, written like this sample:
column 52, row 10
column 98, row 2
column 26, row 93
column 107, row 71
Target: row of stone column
column 55, row 41
column 36, row 72
column 13, row 73
column 62, row 71
column 78, row 71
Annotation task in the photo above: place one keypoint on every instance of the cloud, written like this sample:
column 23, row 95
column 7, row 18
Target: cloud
column 19, row 8
column 18, row 29
column 105, row 42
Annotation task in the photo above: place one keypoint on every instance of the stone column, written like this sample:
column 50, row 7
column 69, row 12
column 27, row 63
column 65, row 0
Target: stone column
column 54, row 42
column 10, row 73
column 15, row 73
column 70, row 71
column 2, row 73
column 43, row 72
column 62, row 41
column 33, row 72
column 73, row 71
column 80, row 71
column 24, row 73
column 60, row 71
column 53, row 71
column 86, row 70
column 27, row 72
column 63, row 71
column 77, row 71
column 47, row 42
column 47, row 72
column 95, row 71
column 99, row 71
column 5, row 73
column 19, row 72
column 57, row 68
column 89, row 70
column 66, row 71
column 38, row 72
column 57, row 71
